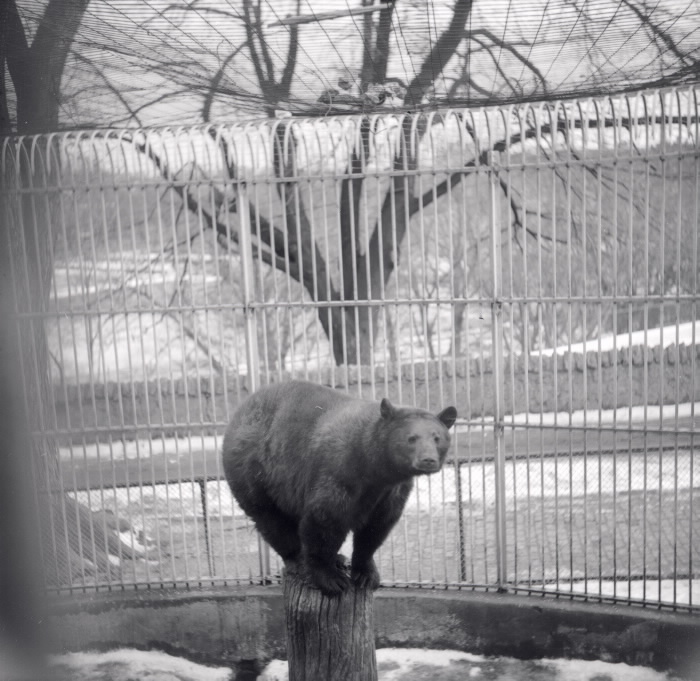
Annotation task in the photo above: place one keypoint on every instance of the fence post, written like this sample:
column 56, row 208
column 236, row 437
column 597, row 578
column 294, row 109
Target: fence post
column 251, row 326
column 498, row 374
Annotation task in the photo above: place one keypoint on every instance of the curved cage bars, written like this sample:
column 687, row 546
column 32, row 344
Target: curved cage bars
column 536, row 265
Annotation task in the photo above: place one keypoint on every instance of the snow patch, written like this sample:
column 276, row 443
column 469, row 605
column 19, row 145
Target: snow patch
column 664, row 591
column 126, row 664
column 417, row 664
column 687, row 333
column 277, row 670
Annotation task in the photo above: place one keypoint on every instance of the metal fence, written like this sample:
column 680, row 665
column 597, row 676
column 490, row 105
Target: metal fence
column 536, row 266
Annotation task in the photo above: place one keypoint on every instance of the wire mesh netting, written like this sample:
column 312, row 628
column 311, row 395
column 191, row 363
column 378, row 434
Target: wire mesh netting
column 129, row 62
column 537, row 266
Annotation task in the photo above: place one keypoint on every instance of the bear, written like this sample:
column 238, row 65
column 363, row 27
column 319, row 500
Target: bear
column 309, row 464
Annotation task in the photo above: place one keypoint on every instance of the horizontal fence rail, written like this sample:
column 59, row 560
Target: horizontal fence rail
column 536, row 266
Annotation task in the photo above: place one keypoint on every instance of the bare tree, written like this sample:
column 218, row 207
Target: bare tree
column 369, row 260
column 365, row 268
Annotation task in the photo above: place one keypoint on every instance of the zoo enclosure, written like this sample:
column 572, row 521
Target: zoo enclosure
column 536, row 266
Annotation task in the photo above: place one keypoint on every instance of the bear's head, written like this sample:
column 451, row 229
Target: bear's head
column 418, row 440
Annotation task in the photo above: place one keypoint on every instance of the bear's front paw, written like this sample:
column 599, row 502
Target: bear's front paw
column 332, row 580
column 366, row 576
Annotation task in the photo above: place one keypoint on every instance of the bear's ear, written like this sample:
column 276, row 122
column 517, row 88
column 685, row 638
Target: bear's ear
column 448, row 416
column 387, row 409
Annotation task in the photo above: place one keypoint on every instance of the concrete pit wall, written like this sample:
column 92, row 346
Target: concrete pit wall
column 244, row 627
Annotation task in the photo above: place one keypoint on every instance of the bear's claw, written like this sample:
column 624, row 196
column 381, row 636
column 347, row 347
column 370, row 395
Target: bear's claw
column 330, row 582
column 366, row 577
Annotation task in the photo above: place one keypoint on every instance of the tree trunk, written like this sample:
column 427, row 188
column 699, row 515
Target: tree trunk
column 328, row 638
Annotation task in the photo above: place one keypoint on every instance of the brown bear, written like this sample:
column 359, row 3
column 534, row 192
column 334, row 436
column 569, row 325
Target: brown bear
column 309, row 464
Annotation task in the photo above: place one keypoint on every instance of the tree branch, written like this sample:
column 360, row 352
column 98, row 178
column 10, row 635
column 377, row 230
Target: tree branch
column 108, row 84
column 285, row 85
column 447, row 45
column 250, row 39
column 381, row 52
column 510, row 47
column 656, row 30
column 216, row 81
column 253, row 26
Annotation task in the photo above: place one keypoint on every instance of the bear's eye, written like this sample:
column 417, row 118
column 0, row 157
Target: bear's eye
column 412, row 439
column 436, row 438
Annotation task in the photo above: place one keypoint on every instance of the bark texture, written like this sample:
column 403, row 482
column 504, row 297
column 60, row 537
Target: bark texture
column 328, row 638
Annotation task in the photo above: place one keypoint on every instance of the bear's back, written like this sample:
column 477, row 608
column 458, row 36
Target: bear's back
column 291, row 411
column 287, row 435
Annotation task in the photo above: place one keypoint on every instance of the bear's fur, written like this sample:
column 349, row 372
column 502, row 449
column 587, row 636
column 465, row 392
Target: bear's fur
column 310, row 464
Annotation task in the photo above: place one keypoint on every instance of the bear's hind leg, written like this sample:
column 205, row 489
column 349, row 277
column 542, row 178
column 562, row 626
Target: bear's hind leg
column 321, row 541
column 278, row 529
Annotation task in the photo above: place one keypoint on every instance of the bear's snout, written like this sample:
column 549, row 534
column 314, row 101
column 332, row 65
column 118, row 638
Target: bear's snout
column 428, row 463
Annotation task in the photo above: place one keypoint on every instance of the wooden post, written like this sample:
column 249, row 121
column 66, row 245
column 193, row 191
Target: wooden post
column 328, row 638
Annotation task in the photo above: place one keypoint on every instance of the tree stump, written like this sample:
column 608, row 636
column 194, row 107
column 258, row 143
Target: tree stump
column 328, row 638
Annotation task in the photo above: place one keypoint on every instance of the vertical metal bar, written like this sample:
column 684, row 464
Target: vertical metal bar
column 354, row 222
column 251, row 326
column 365, row 233
column 645, row 321
column 104, row 221
column 461, row 225
column 290, row 151
column 600, row 118
column 325, row 201
column 541, row 340
column 616, row 129
column 453, row 226
column 477, row 473
column 247, row 272
column 675, row 350
column 81, row 422
column 342, row 283
column 693, row 96
column 570, row 130
column 149, row 294
column 584, row 117
column 315, row 255
column 498, row 377
column 172, row 368
column 663, row 163
column 526, row 350
column 631, row 290
column 205, row 515
column 409, row 186
column 507, row 120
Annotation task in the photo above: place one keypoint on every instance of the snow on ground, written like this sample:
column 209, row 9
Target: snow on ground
column 687, row 333
column 664, row 591
column 127, row 664
column 622, row 416
column 393, row 664
column 593, row 475
column 415, row 664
